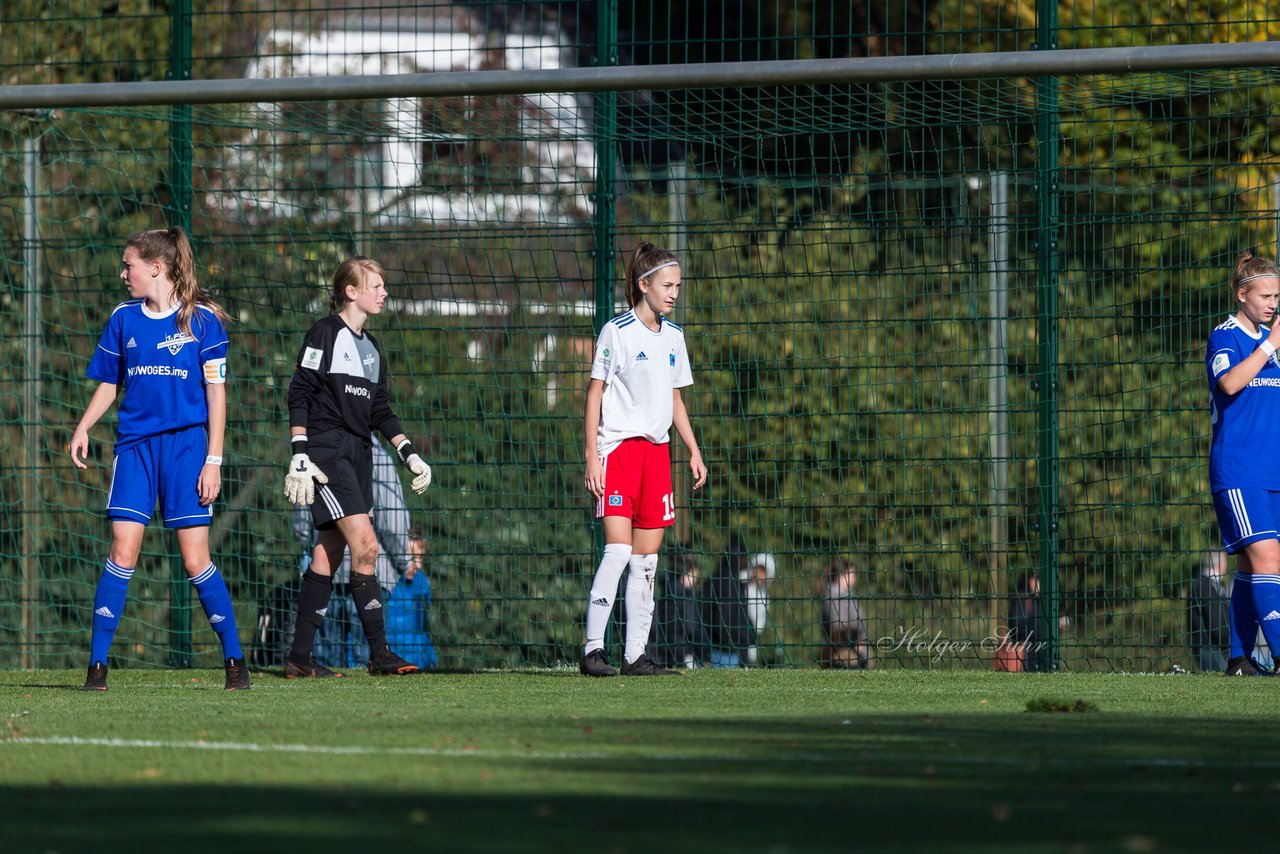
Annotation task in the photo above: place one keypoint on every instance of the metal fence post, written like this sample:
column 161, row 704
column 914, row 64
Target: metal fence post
column 31, row 510
column 606, row 122
column 179, row 212
column 1047, row 224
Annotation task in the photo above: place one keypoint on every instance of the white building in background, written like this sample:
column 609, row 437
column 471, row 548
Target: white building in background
column 406, row 161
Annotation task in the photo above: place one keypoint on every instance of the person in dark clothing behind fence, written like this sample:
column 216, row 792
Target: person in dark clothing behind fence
column 679, row 637
column 1020, row 640
column 1208, row 613
column 724, row 610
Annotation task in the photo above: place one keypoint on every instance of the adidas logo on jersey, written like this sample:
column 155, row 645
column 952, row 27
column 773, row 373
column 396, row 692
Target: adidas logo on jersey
column 215, row 619
column 641, row 357
column 375, row 605
column 604, row 602
column 104, row 611
column 132, row 343
column 1274, row 615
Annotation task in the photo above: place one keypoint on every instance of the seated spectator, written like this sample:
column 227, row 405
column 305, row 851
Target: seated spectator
column 678, row 638
column 408, row 627
column 843, row 626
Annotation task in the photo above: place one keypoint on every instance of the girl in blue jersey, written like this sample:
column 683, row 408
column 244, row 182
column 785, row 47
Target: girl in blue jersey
column 1244, row 468
column 167, row 348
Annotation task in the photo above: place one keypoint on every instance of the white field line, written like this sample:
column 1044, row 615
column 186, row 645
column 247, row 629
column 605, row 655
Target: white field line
column 844, row 759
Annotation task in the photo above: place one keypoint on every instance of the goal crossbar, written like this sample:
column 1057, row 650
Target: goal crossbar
column 1125, row 60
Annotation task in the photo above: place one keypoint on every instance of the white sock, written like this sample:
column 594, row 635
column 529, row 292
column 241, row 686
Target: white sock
column 604, row 590
column 639, row 604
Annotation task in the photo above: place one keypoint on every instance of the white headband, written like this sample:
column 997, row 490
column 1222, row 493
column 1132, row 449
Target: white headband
column 1257, row 276
column 657, row 268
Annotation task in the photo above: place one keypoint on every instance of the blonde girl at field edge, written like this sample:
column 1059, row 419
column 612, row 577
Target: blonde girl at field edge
column 633, row 400
column 337, row 396
column 1244, row 468
column 166, row 346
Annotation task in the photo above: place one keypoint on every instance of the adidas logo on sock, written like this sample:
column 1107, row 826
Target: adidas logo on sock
column 599, row 601
column 104, row 611
column 1274, row 615
column 215, row 619
column 323, row 611
column 375, row 605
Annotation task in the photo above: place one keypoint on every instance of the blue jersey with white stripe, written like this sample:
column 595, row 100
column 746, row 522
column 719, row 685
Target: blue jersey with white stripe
column 1244, row 452
column 161, row 370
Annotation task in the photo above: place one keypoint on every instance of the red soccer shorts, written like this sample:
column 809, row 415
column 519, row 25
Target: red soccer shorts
column 637, row 484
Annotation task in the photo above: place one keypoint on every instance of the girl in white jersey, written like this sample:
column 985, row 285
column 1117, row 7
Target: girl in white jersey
column 633, row 400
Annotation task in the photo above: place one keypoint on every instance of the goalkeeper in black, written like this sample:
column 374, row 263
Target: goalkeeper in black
column 337, row 396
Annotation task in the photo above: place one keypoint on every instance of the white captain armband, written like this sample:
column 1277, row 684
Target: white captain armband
column 215, row 371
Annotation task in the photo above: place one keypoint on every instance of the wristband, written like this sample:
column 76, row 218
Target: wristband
column 298, row 444
column 404, row 450
column 1268, row 348
column 211, row 460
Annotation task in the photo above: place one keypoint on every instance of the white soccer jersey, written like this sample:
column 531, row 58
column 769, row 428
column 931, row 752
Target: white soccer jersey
column 640, row 368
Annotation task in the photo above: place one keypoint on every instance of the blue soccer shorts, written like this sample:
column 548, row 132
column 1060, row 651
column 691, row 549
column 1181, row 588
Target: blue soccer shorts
column 165, row 467
column 1246, row 516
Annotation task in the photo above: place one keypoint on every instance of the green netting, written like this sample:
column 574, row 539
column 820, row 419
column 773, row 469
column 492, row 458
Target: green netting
column 840, row 245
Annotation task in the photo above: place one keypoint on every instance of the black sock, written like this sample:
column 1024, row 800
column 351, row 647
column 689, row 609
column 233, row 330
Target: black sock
column 313, row 599
column 367, row 595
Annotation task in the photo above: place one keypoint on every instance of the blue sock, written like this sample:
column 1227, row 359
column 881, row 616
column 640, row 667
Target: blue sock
column 108, row 604
column 1266, row 597
column 1244, row 616
column 216, row 602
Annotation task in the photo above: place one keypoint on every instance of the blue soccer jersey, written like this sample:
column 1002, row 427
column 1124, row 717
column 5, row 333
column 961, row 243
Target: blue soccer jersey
column 162, row 371
column 1244, row 452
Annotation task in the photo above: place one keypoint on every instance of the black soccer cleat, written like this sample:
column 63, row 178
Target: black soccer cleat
column 308, row 669
column 1244, row 666
column 237, row 674
column 96, row 680
column 595, row 663
column 387, row 663
column 644, row 666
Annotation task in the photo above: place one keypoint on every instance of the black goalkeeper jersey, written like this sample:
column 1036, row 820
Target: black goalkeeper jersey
column 338, row 383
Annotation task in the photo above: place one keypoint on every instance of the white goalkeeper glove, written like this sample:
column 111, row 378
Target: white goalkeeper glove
column 421, row 471
column 300, row 482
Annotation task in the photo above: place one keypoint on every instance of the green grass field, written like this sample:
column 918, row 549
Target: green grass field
column 763, row 760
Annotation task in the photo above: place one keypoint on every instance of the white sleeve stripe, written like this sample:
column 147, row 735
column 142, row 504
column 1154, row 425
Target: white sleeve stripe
column 222, row 343
column 105, row 350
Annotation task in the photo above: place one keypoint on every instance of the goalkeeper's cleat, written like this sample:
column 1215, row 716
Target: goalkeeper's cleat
column 595, row 663
column 1244, row 666
column 644, row 666
column 387, row 663
column 96, row 680
column 307, row 668
column 237, row 674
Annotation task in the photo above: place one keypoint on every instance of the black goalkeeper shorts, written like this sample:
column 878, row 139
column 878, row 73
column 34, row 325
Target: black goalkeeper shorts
column 348, row 463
